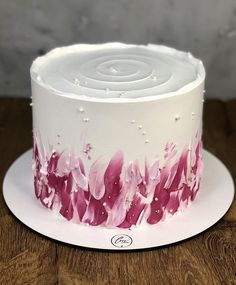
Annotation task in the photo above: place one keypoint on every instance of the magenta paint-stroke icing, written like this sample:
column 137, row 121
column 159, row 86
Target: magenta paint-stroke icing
column 117, row 195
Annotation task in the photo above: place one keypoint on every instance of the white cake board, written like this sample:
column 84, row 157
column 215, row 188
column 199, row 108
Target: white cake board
column 212, row 202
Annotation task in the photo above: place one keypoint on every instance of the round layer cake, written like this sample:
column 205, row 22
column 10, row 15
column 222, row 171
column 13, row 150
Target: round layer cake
column 117, row 132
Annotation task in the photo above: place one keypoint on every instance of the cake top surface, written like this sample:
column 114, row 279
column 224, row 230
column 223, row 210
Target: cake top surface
column 117, row 71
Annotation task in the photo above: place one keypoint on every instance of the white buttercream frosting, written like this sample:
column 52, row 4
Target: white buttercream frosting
column 116, row 71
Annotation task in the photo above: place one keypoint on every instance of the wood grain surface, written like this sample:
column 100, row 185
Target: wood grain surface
column 29, row 258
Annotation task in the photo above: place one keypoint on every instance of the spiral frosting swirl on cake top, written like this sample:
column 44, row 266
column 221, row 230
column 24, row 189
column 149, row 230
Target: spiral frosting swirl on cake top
column 117, row 71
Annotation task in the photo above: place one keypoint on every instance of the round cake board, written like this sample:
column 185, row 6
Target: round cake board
column 212, row 202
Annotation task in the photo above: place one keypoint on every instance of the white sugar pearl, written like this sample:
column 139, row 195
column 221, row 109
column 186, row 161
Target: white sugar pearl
column 76, row 81
column 154, row 77
column 177, row 118
column 81, row 110
column 86, row 120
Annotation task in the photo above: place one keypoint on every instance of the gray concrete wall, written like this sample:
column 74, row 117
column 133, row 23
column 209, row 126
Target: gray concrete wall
column 207, row 28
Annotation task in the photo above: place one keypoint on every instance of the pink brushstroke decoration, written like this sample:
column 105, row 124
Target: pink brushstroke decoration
column 117, row 195
column 87, row 150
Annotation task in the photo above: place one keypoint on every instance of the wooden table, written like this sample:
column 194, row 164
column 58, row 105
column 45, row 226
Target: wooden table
column 29, row 258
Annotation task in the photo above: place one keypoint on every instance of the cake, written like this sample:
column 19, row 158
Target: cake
column 117, row 133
